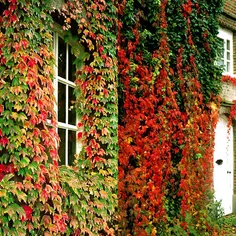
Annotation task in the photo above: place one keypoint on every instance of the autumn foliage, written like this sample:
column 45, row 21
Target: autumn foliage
column 38, row 197
column 168, row 112
column 162, row 55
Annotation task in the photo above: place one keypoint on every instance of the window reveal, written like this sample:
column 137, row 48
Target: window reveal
column 226, row 53
column 64, row 93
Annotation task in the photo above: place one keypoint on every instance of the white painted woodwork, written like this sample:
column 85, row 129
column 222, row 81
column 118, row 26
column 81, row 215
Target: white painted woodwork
column 223, row 174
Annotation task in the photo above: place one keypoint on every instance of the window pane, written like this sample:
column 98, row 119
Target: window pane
column 72, row 112
column 71, row 146
column 72, row 68
column 61, row 102
column 62, row 148
column 61, row 58
column 228, row 67
column 228, row 55
column 221, row 48
column 228, row 44
column 221, row 62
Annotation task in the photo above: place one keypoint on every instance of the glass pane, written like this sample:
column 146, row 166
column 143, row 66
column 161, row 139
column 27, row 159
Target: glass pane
column 228, row 44
column 71, row 146
column 72, row 112
column 221, row 51
column 228, row 67
column 61, row 102
column 72, row 68
column 221, row 62
column 228, row 55
column 61, row 58
column 62, row 148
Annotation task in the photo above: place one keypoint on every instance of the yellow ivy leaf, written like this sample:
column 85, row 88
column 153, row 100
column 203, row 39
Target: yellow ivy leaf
column 103, row 194
column 213, row 106
column 129, row 140
column 21, row 196
column 14, row 115
column 17, row 107
column 103, row 172
column 3, row 193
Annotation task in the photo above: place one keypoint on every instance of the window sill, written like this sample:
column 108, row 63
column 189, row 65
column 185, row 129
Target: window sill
column 228, row 91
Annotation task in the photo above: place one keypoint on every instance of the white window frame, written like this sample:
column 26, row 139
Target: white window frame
column 66, row 126
column 225, row 35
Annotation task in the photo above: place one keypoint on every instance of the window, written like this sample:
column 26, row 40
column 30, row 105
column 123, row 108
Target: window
column 226, row 54
column 64, row 93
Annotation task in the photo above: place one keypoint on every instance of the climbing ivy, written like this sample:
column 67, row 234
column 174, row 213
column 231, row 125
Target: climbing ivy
column 96, row 91
column 168, row 111
column 31, row 194
column 163, row 53
column 37, row 196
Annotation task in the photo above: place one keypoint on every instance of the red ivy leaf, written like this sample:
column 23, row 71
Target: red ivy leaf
column 6, row 13
column 4, row 141
column 3, row 168
column 80, row 135
column 24, row 43
column 89, row 151
column 105, row 93
column 1, row 176
column 11, row 168
column 13, row 18
column 80, row 125
column 28, row 213
column 101, row 152
column 12, row 7
column 53, row 153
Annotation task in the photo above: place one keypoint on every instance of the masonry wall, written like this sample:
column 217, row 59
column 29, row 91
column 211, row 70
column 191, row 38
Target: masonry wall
column 234, row 51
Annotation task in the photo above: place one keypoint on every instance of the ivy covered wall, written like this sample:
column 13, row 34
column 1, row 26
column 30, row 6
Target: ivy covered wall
column 38, row 197
column 162, row 55
column 168, row 107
